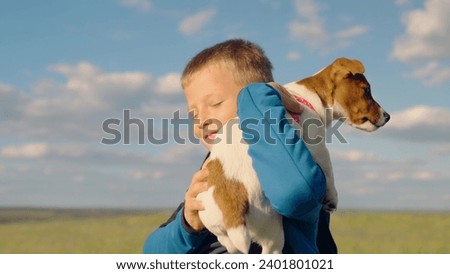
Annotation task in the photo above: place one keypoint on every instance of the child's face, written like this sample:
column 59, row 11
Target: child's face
column 212, row 100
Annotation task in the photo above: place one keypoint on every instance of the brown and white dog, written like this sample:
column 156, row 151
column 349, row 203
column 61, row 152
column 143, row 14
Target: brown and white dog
column 236, row 210
column 342, row 90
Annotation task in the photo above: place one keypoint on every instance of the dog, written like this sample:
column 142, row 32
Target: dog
column 235, row 206
column 342, row 91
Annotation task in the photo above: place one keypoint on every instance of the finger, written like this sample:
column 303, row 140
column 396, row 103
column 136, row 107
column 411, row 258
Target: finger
column 200, row 179
column 201, row 176
column 196, row 205
column 196, row 189
column 192, row 205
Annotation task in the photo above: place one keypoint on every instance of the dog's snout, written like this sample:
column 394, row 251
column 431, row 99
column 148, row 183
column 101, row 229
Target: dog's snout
column 387, row 117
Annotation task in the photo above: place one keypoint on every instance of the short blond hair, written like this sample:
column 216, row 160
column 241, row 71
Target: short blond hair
column 246, row 60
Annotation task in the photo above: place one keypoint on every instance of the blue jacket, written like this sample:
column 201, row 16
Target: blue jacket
column 289, row 177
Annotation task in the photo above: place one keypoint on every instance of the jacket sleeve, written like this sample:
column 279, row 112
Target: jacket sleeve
column 174, row 237
column 289, row 177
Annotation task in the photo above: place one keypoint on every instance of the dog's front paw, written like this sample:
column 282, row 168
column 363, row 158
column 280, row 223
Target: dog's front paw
column 331, row 200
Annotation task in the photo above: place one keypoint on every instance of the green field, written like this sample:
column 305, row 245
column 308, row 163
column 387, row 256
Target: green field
column 111, row 231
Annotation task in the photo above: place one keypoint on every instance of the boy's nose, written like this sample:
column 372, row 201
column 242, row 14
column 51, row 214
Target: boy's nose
column 205, row 123
column 203, row 119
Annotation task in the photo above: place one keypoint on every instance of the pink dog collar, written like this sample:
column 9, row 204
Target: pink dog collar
column 302, row 101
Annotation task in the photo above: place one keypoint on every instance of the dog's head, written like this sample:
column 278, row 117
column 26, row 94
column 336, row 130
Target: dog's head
column 352, row 97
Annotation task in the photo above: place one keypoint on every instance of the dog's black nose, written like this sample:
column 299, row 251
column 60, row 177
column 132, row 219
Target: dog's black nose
column 387, row 117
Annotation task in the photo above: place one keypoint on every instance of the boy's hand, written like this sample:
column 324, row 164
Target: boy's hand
column 191, row 205
column 288, row 100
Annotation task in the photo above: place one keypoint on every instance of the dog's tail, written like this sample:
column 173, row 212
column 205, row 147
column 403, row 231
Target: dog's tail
column 240, row 237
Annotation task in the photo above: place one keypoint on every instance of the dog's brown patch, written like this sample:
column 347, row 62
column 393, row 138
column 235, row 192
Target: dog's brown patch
column 354, row 95
column 344, row 82
column 324, row 83
column 230, row 195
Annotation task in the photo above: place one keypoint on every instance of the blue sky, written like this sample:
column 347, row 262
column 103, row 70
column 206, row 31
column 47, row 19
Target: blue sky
column 66, row 66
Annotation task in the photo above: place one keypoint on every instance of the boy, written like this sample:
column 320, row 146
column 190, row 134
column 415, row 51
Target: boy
column 212, row 82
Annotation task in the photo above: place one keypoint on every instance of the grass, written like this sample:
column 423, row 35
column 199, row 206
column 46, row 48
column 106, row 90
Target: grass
column 77, row 231
column 392, row 232
column 123, row 232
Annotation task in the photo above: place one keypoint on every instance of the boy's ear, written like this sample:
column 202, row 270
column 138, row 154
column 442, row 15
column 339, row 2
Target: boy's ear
column 290, row 103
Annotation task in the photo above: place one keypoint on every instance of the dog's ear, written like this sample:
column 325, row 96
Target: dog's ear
column 341, row 67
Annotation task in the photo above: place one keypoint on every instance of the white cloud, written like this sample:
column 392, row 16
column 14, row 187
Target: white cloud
column 178, row 152
column 352, row 32
column 420, row 115
column 345, row 37
column 431, row 73
column 78, row 178
column 310, row 28
column 88, row 79
column 169, row 84
column 368, row 167
column 419, row 123
column 26, row 151
column 75, row 107
column 425, row 42
column 312, row 33
column 442, row 150
column 194, row 23
column 426, row 36
column 141, row 5
column 97, row 175
column 423, row 175
column 11, row 103
column 308, row 9
column 354, row 156
column 137, row 175
column 363, row 177
column 158, row 174
column 294, row 56
column 395, row 176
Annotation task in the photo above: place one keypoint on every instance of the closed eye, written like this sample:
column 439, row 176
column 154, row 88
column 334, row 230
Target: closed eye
column 217, row 104
column 193, row 114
